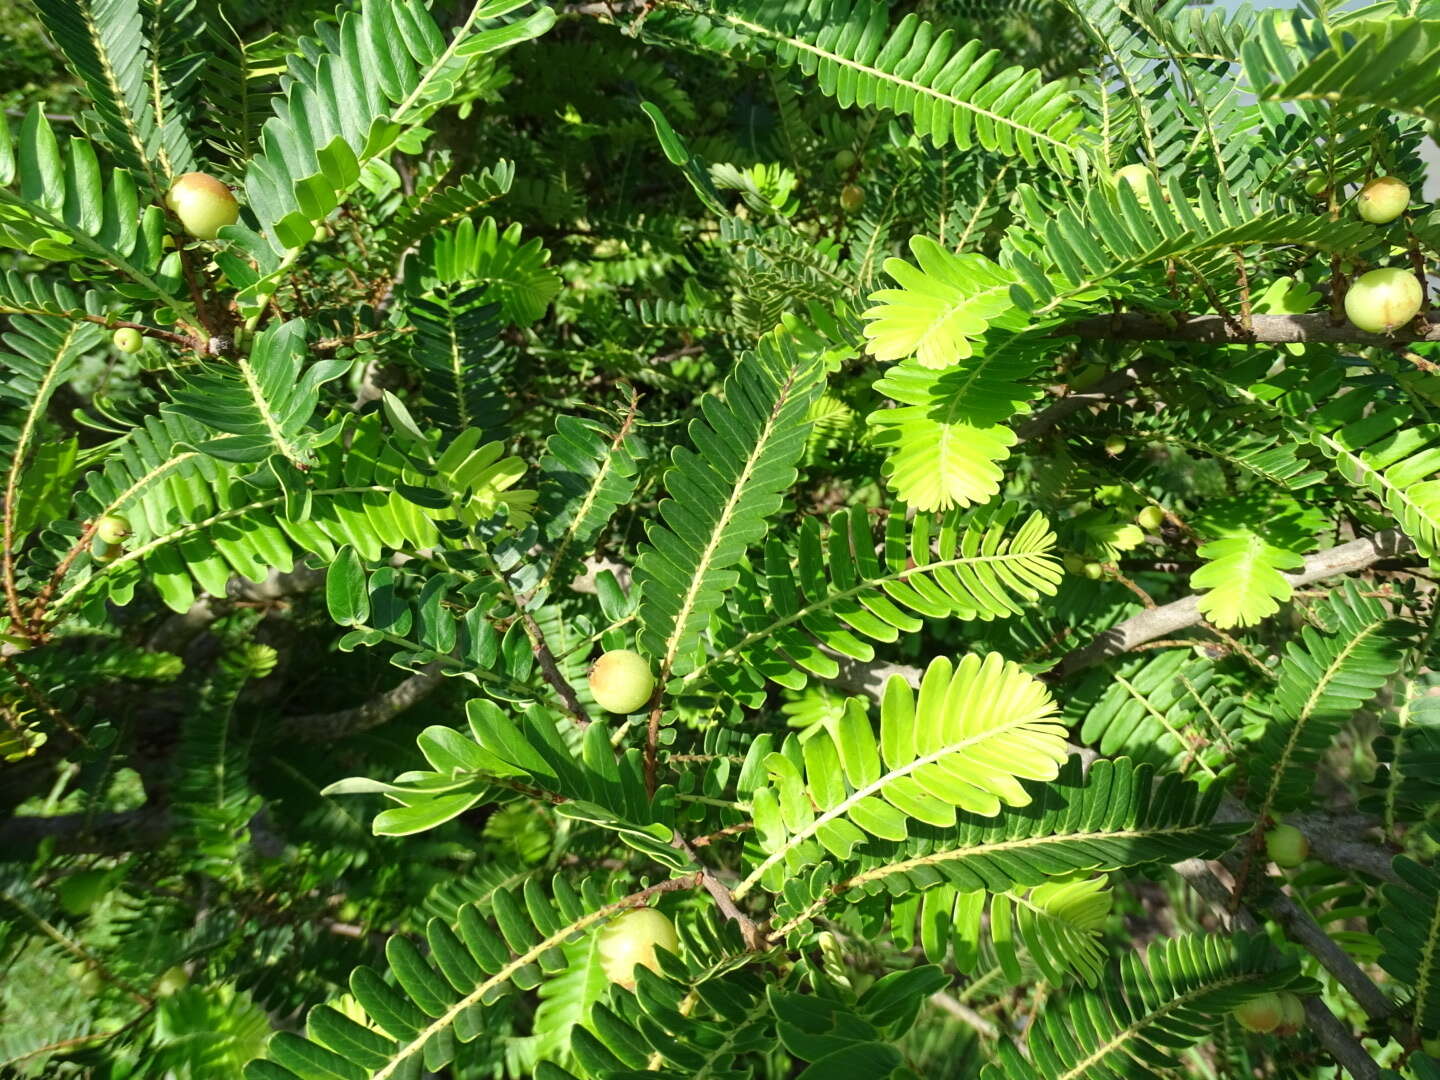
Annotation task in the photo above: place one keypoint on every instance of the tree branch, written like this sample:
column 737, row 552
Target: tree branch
column 1216, row 330
column 326, row 727
column 1168, row 618
column 1332, row 1034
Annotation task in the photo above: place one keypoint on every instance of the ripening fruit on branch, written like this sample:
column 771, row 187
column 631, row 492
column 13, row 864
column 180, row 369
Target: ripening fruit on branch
column 621, row 681
column 1383, row 199
column 844, row 159
column 1292, row 1015
column 1094, row 571
column 1383, row 300
column 1261, row 1014
column 1114, row 445
column 107, row 553
column 1151, row 518
column 1286, row 846
column 127, row 339
column 113, row 529
column 629, row 941
column 203, row 204
column 852, row 197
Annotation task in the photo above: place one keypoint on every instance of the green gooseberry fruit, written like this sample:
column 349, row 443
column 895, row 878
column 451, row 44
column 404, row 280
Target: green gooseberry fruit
column 629, row 941
column 1074, row 564
column 1115, row 445
column 203, row 204
column 1383, row 199
column 1383, row 300
column 1292, row 1015
column 1138, row 177
column 852, row 197
column 1261, row 1014
column 128, row 340
column 1151, row 518
column 1286, row 846
column 1094, row 571
column 621, row 681
column 172, row 982
column 113, row 529
column 107, row 553
column 845, row 159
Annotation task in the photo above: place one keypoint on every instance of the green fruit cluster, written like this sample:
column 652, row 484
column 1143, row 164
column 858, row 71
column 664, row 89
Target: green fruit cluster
column 629, row 941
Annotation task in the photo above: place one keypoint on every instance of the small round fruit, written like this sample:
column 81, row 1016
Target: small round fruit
column 128, row 340
column 322, row 233
column 203, row 204
column 1114, row 445
column 844, row 159
column 108, row 553
column 629, row 941
column 1383, row 299
column 1094, row 571
column 1292, row 1015
column 113, row 529
column 172, row 982
column 1074, row 564
column 621, row 681
column 1383, row 199
column 1318, row 185
column 1138, row 177
column 1151, row 518
column 1261, row 1014
column 852, row 197
column 1286, row 846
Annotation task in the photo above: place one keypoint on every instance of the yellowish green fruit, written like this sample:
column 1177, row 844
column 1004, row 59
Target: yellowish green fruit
column 1383, row 300
column 629, row 941
column 1261, row 1014
column 172, row 982
column 852, row 197
column 203, row 204
column 1114, row 445
column 128, row 340
column 322, row 233
column 113, row 529
column 1292, row 1015
column 1383, row 199
column 1151, row 518
column 1094, row 571
column 844, row 159
column 1138, row 177
column 107, row 553
column 1286, row 846
column 621, row 681
column 1318, row 185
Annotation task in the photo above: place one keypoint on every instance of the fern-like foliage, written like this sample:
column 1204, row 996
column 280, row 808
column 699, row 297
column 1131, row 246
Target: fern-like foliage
column 1376, row 445
column 440, row 1001
column 456, row 346
column 1148, row 1011
column 747, row 441
column 1170, row 709
column 1387, row 62
column 1323, row 679
column 1408, row 753
column 1055, row 926
column 954, row 93
column 104, row 41
column 833, row 593
column 198, row 519
column 441, row 206
column 264, row 402
column 1115, row 816
column 1409, row 936
column 963, row 744
column 513, row 273
column 947, row 437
